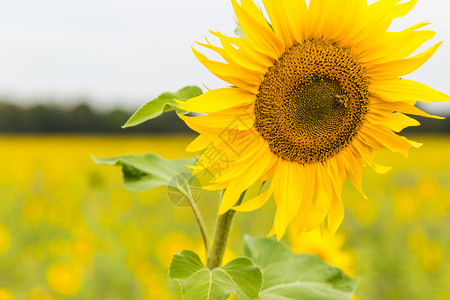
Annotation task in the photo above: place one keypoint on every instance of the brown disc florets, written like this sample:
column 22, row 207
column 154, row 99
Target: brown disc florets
column 312, row 101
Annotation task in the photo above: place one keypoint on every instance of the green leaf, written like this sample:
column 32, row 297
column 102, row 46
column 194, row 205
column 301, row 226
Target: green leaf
column 263, row 251
column 147, row 171
column 296, row 276
column 240, row 277
column 164, row 102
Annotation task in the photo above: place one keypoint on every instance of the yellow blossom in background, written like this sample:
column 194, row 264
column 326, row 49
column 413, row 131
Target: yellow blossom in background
column 64, row 278
column 38, row 293
column 34, row 209
column 122, row 202
column 153, row 286
column 4, row 239
column 172, row 243
column 83, row 250
column 427, row 188
column 233, row 297
column 406, row 206
column 366, row 210
column 326, row 247
column 5, row 294
column 428, row 252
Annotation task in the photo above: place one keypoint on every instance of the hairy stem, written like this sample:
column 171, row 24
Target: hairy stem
column 220, row 237
column 201, row 223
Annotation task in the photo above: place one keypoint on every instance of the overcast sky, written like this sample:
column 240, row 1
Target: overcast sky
column 127, row 51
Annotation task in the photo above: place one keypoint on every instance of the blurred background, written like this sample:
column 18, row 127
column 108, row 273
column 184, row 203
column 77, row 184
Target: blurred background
column 72, row 72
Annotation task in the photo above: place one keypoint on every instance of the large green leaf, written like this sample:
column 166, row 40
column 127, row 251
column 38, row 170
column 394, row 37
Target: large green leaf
column 161, row 104
column 147, row 171
column 264, row 252
column 240, row 277
column 289, row 276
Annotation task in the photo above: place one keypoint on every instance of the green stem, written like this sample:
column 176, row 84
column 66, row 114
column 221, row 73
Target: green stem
column 220, row 237
column 200, row 222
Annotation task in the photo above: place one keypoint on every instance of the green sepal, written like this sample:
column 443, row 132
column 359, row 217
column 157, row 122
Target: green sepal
column 238, row 30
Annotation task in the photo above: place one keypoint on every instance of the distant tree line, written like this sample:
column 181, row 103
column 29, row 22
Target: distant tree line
column 51, row 118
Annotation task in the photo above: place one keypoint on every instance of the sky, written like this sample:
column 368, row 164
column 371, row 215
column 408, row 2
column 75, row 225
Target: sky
column 126, row 52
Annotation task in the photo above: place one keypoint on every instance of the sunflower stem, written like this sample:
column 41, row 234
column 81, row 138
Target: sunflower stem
column 201, row 223
column 220, row 236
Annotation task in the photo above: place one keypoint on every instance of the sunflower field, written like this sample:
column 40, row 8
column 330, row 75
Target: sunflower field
column 70, row 230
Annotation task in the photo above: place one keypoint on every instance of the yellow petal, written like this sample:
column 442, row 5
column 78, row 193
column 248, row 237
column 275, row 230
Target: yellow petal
column 378, row 18
column 394, row 121
column 200, row 143
column 289, row 183
column 246, row 79
column 402, row 9
column 337, row 176
column 296, row 19
column 364, row 152
column 216, row 186
column 371, row 23
column 318, row 12
column 257, row 151
column 241, row 183
column 336, row 214
column 247, row 49
column 406, row 90
column 220, row 51
column 277, row 16
column 227, row 151
column 397, row 68
column 322, row 202
column 217, row 100
column 352, row 169
column 390, row 140
column 396, row 45
column 245, row 56
column 271, row 232
column 256, row 202
column 218, row 124
column 304, row 211
column 327, row 19
column 340, row 172
column 402, row 107
column 256, row 29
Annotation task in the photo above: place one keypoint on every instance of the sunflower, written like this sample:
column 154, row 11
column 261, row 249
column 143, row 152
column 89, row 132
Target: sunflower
column 315, row 93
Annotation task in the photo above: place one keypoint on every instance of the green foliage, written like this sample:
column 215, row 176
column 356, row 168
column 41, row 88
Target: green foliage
column 286, row 275
column 147, row 171
column 296, row 276
column 163, row 103
column 240, row 277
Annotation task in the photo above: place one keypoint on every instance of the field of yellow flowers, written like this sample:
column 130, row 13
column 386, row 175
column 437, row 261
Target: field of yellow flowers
column 69, row 230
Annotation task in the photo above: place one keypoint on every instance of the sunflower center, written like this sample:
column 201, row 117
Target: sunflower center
column 312, row 102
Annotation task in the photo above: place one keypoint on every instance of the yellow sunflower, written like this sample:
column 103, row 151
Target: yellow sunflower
column 315, row 93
